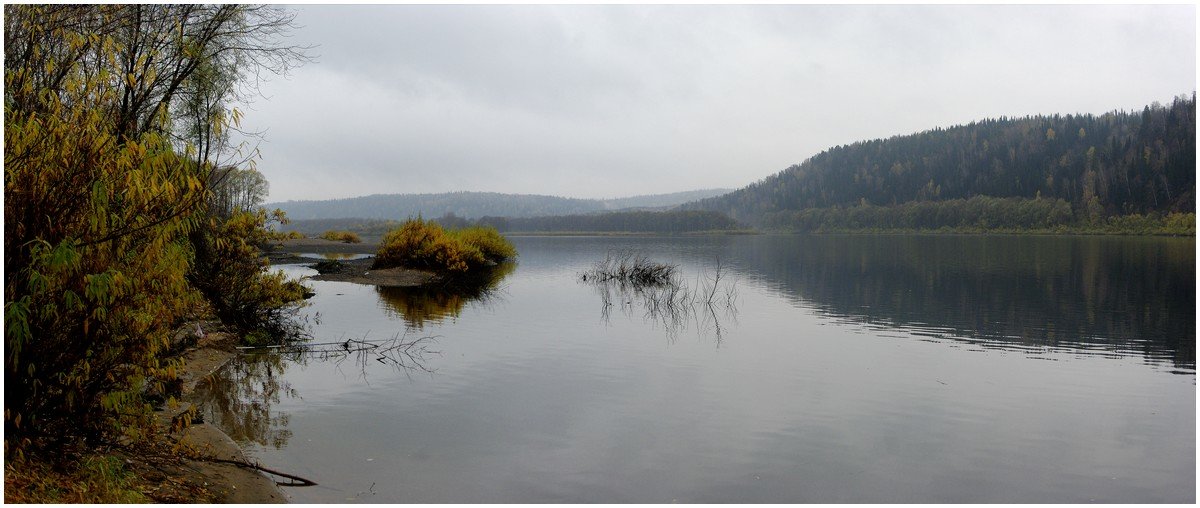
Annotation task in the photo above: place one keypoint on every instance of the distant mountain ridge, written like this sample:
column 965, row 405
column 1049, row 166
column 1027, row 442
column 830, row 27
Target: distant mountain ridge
column 475, row 205
column 661, row 200
column 1035, row 173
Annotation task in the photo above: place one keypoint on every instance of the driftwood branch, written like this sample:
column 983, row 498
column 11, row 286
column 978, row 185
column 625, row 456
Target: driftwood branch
column 296, row 480
column 407, row 354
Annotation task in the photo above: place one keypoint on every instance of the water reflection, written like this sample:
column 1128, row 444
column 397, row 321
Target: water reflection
column 335, row 256
column 797, row 406
column 425, row 305
column 1118, row 295
column 243, row 397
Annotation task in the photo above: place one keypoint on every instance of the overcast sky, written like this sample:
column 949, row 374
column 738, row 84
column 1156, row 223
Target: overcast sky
column 610, row 101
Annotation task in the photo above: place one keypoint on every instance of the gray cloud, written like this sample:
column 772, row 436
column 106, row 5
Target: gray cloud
column 603, row 101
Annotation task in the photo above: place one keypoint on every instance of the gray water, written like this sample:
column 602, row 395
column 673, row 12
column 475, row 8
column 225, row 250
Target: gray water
column 836, row 369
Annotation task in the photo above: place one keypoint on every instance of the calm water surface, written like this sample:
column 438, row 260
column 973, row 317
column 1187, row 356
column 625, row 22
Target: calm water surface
column 845, row 369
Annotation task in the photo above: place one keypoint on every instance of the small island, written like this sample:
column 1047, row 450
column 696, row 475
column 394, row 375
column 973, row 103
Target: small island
column 415, row 253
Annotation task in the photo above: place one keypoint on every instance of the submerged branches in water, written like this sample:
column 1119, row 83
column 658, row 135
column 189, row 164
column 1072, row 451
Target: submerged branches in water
column 404, row 353
column 625, row 278
column 243, row 398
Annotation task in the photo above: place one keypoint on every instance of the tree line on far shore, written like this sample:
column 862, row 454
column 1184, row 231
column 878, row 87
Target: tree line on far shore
column 665, row 222
column 1116, row 173
column 1119, row 164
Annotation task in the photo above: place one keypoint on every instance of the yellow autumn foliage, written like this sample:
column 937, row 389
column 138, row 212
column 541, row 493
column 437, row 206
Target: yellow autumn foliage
column 102, row 210
column 418, row 243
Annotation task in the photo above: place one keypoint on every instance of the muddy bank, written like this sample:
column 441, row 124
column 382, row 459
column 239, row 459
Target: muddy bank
column 209, row 351
column 352, row 270
column 321, row 246
column 359, row 271
column 288, row 251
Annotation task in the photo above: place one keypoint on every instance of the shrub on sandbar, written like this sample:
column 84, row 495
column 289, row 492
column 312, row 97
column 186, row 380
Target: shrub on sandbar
column 487, row 240
column 342, row 236
column 424, row 244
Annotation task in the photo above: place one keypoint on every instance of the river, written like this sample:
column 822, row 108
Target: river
column 962, row 369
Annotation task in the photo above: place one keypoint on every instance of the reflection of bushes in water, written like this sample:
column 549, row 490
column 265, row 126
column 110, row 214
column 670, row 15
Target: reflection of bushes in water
column 420, row 305
column 429, row 304
column 340, row 256
column 241, row 397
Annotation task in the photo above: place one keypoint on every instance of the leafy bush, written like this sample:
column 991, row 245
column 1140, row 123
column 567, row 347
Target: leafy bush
column 95, row 257
column 229, row 271
column 1180, row 224
column 341, row 236
column 418, row 243
column 107, row 192
column 491, row 244
column 280, row 235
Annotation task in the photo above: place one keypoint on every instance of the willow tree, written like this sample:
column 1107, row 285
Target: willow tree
column 102, row 191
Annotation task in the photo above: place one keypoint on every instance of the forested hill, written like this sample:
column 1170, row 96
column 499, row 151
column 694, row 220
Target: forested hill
column 474, row 205
column 1119, row 163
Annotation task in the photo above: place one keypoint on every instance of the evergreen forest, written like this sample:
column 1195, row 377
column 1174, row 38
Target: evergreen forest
column 1038, row 172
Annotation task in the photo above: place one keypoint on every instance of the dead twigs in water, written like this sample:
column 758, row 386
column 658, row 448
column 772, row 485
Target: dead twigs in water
column 626, row 277
column 402, row 352
column 630, row 269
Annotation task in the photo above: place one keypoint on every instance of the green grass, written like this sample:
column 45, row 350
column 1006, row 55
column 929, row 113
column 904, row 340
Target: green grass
column 92, row 479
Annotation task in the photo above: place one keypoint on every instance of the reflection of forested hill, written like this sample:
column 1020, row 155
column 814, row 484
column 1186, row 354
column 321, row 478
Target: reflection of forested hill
column 1120, row 294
